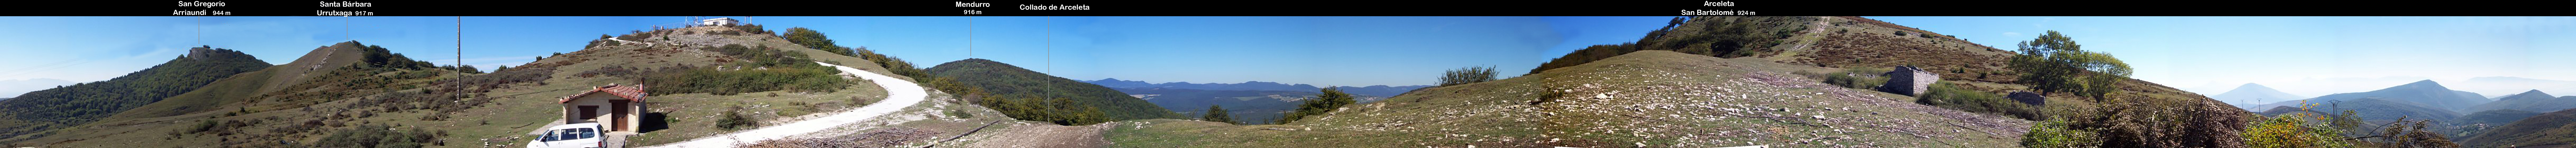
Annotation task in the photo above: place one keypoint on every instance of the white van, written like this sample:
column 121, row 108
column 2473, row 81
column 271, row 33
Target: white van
column 577, row 135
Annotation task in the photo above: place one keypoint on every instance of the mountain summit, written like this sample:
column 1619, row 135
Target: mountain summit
column 2251, row 93
column 2526, row 95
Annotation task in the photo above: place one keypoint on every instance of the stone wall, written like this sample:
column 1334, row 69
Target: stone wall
column 1908, row 80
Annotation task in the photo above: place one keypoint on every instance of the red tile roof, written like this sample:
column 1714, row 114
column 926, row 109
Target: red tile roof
column 630, row 92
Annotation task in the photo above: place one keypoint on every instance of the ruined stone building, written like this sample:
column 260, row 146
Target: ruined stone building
column 1909, row 81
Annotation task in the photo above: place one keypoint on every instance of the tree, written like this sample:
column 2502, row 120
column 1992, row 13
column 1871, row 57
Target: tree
column 2055, row 63
column 468, row 69
column 1466, row 75
column 1332, row 99
column 498, row 69
column 1217, row 114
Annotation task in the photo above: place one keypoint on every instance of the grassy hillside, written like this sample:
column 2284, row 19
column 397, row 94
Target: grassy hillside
column 1006, row 81
column 474, row 110
column 267, row 89
column 2546, row 130
column 363, row 72
column 2496, row 117
column 1647, row 98
column 2134, row 113
column 1728, row 36
column 87, row 102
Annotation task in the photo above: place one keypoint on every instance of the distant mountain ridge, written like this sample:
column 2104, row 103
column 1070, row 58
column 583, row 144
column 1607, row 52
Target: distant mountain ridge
column 2505, row 85
column 2426, row 93
column 2533, row 100
column 2375, row 109
column 1373, row 90
column 1252, row 106
column 2251, row 93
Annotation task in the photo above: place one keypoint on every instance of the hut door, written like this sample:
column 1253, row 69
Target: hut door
column 617, row 115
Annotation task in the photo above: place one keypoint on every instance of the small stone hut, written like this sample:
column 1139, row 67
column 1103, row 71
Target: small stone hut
column 1908, row 80
column 620, row 107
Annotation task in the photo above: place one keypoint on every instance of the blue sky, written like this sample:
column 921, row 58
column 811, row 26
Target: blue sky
column 2301, row 55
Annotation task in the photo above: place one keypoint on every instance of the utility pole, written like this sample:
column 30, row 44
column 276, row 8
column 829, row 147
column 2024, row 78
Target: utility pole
column 1050, row 51
column 460, row 46
column 460, row 51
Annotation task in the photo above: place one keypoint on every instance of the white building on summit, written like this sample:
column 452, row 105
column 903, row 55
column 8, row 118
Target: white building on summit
column 1908, row 80
column 721, row 21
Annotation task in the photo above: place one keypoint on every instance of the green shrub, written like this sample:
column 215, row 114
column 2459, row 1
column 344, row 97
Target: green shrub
column 1466, row 75
column 958, row 114
column 1217, row 114
column 202, row 126
column 892, row 64
column 2136, row 120
column 1058, row 110
column 748, row 29
column 814, row 40
column 1945, row 95
column 1846, row 79
column 1330, row 100
column 692, row 79
column 761, row 69
column 2057, row 134
column 2292, row 131
column 733, row 119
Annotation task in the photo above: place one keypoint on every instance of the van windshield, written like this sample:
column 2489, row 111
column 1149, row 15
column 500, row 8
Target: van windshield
column 548, row 137
column 570, row 134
